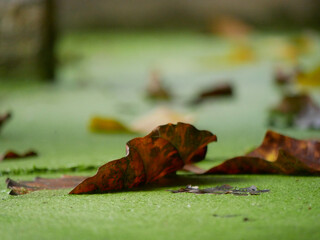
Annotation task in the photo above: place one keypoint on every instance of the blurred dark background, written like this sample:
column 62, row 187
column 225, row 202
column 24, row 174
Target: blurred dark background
column 79, row 14
column 29, row 29
column 68, row 65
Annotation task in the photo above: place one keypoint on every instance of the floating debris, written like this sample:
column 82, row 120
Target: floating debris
column 224, row 189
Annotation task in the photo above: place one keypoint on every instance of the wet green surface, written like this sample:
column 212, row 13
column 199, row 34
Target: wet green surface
column 106, row 74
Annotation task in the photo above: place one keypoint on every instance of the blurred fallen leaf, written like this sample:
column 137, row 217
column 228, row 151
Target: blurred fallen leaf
column 278, row 154
column 280, row 49
column 295, row 47
column 155, row 88
column 285, row 76
column 292, row 104
column 296, row 111
column 157, row 117
column 308, row 118
column 107, row 125
column 218, row 90
column 304, row 43
column 289, row 52
column 4, row 118
column 13, row 155
column 230, row 27
column 241, row 53
column 311, row 78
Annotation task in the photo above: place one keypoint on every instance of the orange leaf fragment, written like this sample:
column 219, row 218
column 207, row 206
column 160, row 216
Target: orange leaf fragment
column 231, row 27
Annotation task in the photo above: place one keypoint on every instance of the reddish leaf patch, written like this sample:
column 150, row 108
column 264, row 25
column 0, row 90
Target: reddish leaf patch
column 24, row 187
column 13, row 155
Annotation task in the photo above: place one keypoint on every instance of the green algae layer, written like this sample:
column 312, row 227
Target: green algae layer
column 106, row 74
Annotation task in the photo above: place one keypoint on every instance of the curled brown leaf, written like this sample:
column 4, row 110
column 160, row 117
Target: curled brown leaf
column 165, row 150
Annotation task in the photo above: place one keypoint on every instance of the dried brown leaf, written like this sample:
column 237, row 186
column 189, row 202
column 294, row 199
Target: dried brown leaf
column 165, row 150
column 278, row 154
column 219, row 90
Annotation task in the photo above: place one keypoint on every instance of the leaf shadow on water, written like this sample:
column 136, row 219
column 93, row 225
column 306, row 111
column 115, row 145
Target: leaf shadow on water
column 178, row 181
column 195, row 180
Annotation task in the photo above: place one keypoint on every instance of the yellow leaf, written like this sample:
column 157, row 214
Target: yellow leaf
column 242, row 54
column 311, row 78
column 107, row 125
